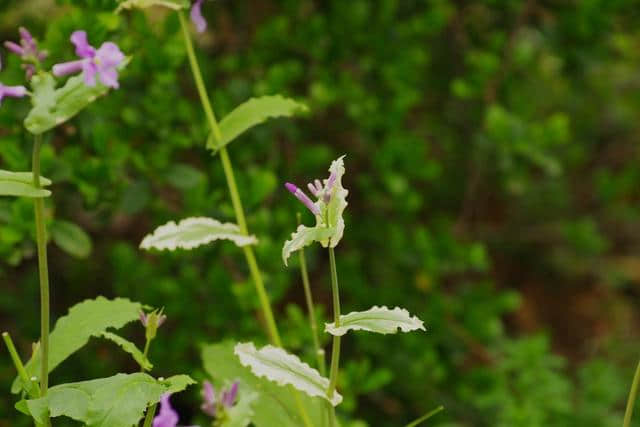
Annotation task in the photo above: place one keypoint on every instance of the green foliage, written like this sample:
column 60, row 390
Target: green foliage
column 274, row 405
column 117, row 401
column 71, row 238
column 377, row 319
column 85, row 320
column 130, row 348
column 251, row 113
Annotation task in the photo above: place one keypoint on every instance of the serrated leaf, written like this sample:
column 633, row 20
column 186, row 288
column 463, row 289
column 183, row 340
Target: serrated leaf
column 117, row 401
column 24, row 177
column 274, row 405
column 251, row 113
column 85, row 320
column 130, row 348
column 283, row 368
column 193, row 232
column 377, row 319
column 20, row 189
column 71, row 238
column 302, row 237
column 52, row 107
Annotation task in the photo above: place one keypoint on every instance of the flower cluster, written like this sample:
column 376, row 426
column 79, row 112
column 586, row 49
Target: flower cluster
column 28, row 51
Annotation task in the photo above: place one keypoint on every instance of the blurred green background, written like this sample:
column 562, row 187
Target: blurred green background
column 493, row 168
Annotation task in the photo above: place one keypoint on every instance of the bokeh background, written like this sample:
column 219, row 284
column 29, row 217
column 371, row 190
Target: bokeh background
column 493, row 168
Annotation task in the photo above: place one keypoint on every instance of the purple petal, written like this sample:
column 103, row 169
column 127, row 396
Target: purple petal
column 108, row 55
column 27, row 38
column 83, row 48
column 312, row 189
column 13, row 91
column 14, row 47
column 209, row 397
column 229, row 396
column 331, row 180
column 303, row 198
column 89, row 70
column 29, row 70
column 143, row 318
column 66, row 68
column 109, row 78
column 167, row 416
column 196, row 16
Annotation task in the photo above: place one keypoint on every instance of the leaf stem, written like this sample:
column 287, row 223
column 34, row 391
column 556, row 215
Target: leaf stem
column 425, row 416
column 43, row 270
column 632, row 397
column 312, row 316
column 231, row 182
column 22, row 372
column 335, row 351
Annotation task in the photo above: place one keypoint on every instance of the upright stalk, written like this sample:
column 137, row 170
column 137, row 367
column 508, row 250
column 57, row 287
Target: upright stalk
column 335, row 351
column 43, row 271
column 632, row 397
column 151, row 412
column 254, row 270
column 233, row 188
column 312, row 316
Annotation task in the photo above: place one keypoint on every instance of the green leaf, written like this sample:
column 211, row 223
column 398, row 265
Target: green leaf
column 130, row 348
column 193, row 232
column 241, row 414
column 117, row 401
column 251, row 113
column 52, row 107
column 274, row 405
column 377, row 319
column 283, row 368
column 20, row 189
column 329, row 226
column 143, row 4
column 302, row 237
column 85, row 320
column 71, row 238
column 24, row 177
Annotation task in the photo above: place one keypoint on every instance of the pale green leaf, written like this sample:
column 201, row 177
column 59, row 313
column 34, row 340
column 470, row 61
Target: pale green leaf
column 21, row 189
column 117, row 401
column 193, row 232
column 24, row 177
column 85, row 320
column 130, row 348
column 143, row 4
column 241, row 414
column 283, row 368
column 251, row 113
column 302, row 237
column 377, row 319
column 274, row 405
column 71, row 238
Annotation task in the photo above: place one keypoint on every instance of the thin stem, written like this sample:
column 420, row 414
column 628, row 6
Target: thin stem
column 151, row 412
column 632, row 398
column 312, row 316
column 267, row 312
column 43, row 269
column 335, row 351
column 22, row 372
column 425, row 417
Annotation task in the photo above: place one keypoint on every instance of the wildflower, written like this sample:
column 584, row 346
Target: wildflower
column 28, row 51
column 303, row 197
column 196, row 16
column 152, row 321
column 167, row 416
column 213, row 404
column 12, row 91
column 103, row 61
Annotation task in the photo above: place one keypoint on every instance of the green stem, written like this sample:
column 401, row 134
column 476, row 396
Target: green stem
column 148, row 419
column 22, row 372
column 312, row 316
column 425, row 417
column 632, row 397
column 43, row 270
column 233, row 188
column 335, row 351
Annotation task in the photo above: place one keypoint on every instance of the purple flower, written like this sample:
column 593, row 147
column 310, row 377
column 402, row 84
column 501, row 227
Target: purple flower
column 167, row 416
column 28, row 51
column 212, row 403
column 303, row 198
column 160, row 318
column 103, row 61
column 196, row 16
column 12, row 91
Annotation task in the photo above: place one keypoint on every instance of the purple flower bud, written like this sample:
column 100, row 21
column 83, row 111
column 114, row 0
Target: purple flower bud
column 102, row 62
column 196, row 16
column 12, row 91
column 14, row 47
column 167, row 416
column 229, row 396
column 331, row 180
column 209, row 399
column 303, row 198
column 29, row 69
column 27, row 39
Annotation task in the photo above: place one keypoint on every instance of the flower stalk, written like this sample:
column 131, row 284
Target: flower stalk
column 335, row 351
column 43, row 270
column 633, row 393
